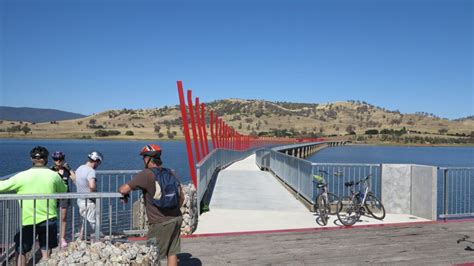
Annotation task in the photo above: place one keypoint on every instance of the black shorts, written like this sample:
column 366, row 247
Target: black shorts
column 64, row 203
column 28, row 237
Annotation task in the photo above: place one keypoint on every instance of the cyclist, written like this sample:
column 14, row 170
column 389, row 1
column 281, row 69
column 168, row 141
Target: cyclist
column 86, row 183
column 64, row 170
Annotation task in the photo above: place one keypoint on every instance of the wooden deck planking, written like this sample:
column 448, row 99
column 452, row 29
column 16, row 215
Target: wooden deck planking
column 420, row 244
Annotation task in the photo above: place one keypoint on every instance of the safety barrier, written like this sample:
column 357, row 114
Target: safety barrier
column 115, row 217
column 11, row 208
column 457, row 192
column 298, row 173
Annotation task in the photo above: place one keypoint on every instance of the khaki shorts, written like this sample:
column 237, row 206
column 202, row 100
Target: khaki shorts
column 166, row 236
column 87, row 213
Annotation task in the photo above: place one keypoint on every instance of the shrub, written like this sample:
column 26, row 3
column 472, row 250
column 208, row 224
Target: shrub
column 129, row 133
column 106, row 133
column 372, row 132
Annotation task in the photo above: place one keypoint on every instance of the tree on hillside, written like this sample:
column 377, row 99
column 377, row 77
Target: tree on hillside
column 350, row 129
column 443, row 131
column 25, row 129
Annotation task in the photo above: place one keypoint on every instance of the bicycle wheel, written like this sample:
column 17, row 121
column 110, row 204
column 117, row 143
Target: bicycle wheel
column 333, row 201
column 375, row 207
column 322, row 208
column 347, row 211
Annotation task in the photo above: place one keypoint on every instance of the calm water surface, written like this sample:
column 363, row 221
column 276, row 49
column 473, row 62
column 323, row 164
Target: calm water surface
column 118, row 155
column 436, row 156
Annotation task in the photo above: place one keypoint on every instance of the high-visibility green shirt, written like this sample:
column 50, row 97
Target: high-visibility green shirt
column 36, row 180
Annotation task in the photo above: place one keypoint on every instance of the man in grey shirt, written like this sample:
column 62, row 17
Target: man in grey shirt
column 86, row 183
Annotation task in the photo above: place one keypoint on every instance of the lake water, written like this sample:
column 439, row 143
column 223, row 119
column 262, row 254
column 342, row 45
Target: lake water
column 435, row 156
column 123, row 155
column 118, row 155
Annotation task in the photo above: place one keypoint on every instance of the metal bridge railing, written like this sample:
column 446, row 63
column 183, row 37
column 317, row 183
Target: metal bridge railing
column 11, row 207
column 298, row 174
column 115, row 217
column 457, row 192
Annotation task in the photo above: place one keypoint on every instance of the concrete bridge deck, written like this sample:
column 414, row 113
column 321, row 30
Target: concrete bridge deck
column 426, row 243
column 246, row 199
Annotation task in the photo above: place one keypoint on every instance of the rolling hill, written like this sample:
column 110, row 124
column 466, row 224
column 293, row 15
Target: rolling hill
column 258, row 117
column 35, row 115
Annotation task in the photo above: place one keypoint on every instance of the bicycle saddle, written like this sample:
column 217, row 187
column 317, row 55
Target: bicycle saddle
column 349, row 184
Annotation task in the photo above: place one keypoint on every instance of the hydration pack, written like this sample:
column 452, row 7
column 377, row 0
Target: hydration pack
column 169, row 185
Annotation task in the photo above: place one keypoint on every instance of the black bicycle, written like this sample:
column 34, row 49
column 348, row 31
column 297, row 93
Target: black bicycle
column 350, row 209
column 326, row 202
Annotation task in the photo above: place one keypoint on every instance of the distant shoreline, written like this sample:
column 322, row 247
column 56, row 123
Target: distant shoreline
column 182, row 139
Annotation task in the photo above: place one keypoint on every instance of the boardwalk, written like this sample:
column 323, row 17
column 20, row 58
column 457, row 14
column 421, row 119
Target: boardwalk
column 414, row 244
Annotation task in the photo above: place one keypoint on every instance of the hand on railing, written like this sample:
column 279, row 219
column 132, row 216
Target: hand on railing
column 124, row 199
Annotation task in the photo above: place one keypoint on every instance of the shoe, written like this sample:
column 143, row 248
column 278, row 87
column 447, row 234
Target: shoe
column 63, row 243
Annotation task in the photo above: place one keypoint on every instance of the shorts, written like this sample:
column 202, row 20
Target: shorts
column 87, row 212
column 64, row 203
column 167, row 236
column 28, row 238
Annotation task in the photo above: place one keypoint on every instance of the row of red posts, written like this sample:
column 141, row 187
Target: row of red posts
column 222, row 135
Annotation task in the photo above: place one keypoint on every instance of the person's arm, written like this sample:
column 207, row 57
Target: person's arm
column 10, row 184
column 73, row 176
column 92, row 185
column 125, row 189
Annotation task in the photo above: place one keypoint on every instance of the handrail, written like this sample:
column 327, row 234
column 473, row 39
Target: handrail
column 93, row 195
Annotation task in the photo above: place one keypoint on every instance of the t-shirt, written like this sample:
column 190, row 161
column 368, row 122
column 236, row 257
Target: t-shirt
column 36, row 180
column 83, row 174
column 65, row 176
column 145, row 180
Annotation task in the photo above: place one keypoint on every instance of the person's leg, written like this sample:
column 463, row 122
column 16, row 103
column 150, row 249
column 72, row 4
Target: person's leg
column 26, row 243
column 48, row 237
column 91, row 213
column 172, row 260
column 63, row 225
column 175, row 241
column 82, row 212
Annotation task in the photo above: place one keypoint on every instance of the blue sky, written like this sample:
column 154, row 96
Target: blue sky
column 91, row 56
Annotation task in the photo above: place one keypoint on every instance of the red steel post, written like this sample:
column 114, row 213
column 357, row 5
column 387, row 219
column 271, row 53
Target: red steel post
column 184, row 118
column 193, row 126
column 203, row 117
column 211, row 128
column 199, row 127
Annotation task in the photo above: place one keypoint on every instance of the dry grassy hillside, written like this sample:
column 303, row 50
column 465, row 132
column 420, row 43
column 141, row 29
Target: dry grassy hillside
column 249, row 117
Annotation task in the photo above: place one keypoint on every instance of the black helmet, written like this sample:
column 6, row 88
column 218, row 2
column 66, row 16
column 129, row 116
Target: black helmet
column 39, row 152
column 58, row 155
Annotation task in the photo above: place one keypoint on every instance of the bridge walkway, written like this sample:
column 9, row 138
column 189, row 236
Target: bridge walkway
column 246, row 199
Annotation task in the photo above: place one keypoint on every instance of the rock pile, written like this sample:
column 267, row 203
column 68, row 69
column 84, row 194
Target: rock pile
column 104, row 253
column 189, row 210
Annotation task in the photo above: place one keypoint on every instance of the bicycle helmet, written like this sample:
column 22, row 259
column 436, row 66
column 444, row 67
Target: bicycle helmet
column 96, row 156
column 151, row 150
column 58, row 155
column 39, row 152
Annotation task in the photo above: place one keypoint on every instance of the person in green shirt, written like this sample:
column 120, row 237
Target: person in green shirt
column 42, row 215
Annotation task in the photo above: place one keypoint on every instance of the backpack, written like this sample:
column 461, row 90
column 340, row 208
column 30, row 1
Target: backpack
column 170, row 192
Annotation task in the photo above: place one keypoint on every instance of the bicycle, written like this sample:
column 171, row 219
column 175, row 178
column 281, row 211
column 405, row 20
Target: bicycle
column 350, row 209
column 325, row 201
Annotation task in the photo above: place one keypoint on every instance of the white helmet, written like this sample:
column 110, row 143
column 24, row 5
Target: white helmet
column 96, row 156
